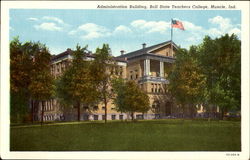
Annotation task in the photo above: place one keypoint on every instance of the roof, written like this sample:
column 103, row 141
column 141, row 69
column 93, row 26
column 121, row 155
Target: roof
column 146, row 50
column 89, row 54
column 63, row 54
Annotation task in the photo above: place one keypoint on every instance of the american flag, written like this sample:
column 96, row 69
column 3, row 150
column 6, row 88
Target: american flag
column 177, row 24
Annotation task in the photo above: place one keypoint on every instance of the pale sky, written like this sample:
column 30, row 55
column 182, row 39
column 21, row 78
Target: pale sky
column 125, row 30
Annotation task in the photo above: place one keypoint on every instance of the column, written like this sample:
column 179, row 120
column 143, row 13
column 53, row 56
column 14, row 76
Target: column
column 161, row 69
column 146, row 67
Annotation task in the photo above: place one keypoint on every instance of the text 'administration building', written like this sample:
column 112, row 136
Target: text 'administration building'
column 147, row 66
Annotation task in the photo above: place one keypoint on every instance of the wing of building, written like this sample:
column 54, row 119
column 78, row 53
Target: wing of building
column 148, row 66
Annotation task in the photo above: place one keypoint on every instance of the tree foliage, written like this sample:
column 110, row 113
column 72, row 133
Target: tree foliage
column 76, row 86
column 220, row 61
column 101, row 69
column 208, row 74
column 187, row 82
column 130, row 98
column 29, row 75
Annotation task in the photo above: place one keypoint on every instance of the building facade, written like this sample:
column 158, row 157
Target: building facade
column 148, row 66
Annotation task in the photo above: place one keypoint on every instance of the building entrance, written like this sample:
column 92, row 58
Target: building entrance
column 168, row 108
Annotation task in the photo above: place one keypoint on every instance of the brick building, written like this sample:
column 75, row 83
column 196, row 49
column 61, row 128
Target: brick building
column 147, row 66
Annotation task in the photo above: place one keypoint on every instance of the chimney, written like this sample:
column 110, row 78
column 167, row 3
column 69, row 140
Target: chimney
column 122, row 52
column 144, row 45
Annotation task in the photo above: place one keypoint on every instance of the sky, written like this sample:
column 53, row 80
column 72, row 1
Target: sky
column 125, row 30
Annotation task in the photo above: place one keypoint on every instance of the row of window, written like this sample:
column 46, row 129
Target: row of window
column 48, row 118
column 58, row 68
column 113, row 117
column 49, row 105
column 116, row 71
column 156, row 88
column 134, row 75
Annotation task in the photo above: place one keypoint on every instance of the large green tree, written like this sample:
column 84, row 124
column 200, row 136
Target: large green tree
column 220, row 60
column 130, row 98
column 119, row 91
column 20, row 69
column 42, row 85
column 29, row 75
column 102, row 67
column 209, row 74
column 187, row 83
column 76, row 86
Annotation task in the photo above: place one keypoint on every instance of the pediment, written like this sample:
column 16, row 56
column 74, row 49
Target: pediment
column 164, row 50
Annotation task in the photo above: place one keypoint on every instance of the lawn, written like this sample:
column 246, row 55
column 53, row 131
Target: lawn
column 151, row 135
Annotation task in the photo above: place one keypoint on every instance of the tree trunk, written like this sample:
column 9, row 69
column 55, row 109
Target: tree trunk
column 191, row 111
column 105, row 111
column 222, row 113
column 78, row 111
column 32, row 111
column 42, row 114
column 132, row 116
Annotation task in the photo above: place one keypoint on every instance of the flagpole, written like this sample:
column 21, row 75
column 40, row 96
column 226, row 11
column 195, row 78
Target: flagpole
column 171, row 38
column 171, row 30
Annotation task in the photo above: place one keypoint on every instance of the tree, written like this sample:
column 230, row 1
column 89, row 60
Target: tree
column 29, row 76
column 101, row 69
column 76, row 86
column 42, row 83
column 20, row 68
column 130, row 98
column 119, row 90
column 187, row 82
column 220, row 60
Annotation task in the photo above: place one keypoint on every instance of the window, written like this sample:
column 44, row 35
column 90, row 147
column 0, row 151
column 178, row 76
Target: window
column 139, row 116
column 121, row 117
column 95, row 107
column 103, row 117
column 121, row 73
column 131, row 77
column 51, row 105
column 103, row 107
column 95, row 117
column 113, row 117
column 136, row 76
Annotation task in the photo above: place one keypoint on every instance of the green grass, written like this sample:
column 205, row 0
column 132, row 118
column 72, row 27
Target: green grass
column 153, row 135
